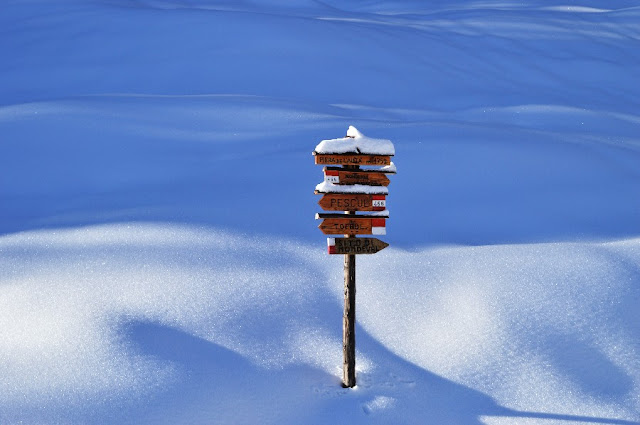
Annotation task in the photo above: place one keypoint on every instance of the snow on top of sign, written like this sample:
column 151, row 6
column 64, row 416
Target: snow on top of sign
column 391, row 168
column 365, row 214
column 356, row 143
column 326, row 187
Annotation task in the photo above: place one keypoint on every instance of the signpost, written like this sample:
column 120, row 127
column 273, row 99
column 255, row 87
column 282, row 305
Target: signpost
column 351, row 189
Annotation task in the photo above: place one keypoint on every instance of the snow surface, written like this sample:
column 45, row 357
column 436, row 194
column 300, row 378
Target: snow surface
column 356, row 143
column 159, row 258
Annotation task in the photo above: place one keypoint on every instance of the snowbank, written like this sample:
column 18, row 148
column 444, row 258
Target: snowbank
column 150, row 323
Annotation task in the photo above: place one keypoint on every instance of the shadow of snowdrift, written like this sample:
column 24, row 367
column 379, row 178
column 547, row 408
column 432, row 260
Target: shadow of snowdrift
column 218, row 385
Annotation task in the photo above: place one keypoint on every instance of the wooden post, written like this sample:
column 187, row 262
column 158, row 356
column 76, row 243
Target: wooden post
column 349, row 323
column 349, row 318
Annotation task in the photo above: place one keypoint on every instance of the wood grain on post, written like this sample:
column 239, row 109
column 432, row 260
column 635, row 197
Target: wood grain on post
column 349, row 317
column 349, row 323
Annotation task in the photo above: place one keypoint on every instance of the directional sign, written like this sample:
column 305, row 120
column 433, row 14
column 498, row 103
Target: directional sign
column 352, row 159
column 353, row 202
column 355, row 245
column 357, row 225
column 345, row 176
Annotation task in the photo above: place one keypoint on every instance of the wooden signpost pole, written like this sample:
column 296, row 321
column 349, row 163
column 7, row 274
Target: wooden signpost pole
column 349, row 317
column 347, row 187
column 349, row 323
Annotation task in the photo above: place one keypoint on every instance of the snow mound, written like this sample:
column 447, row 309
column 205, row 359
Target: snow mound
column 96, row 322
column 542, row 327
column 77, row 306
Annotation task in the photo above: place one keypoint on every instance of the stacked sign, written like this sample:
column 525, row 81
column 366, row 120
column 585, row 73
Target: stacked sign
column 351, row 189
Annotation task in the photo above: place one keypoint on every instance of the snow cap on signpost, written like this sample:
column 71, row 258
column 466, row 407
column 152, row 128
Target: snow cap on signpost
column 356, row 143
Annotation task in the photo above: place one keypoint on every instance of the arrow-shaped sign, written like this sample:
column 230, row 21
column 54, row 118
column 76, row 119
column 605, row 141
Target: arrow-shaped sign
column 356, row 225
column 353, row 202
column 355, row 245
column 345, row 176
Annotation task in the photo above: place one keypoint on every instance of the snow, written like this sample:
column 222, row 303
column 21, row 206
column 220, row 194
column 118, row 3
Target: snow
column 391, row 168
column 355, row 143
column 159, row 258
column 383, row 213
column 328, row 187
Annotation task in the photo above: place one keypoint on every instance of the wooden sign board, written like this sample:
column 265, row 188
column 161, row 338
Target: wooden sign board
column 352, row 202
column 351, row 159
column 353, row 226
column 346, row 176
column 355, row 245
